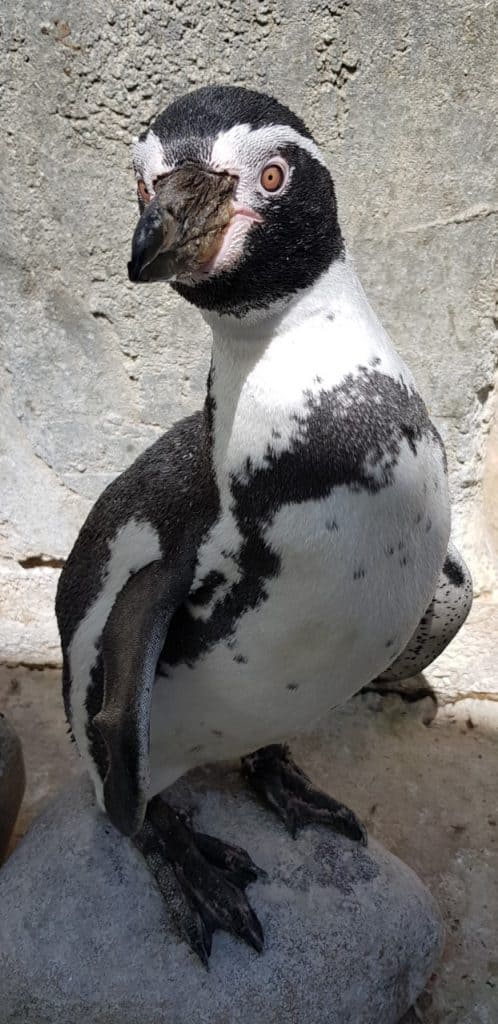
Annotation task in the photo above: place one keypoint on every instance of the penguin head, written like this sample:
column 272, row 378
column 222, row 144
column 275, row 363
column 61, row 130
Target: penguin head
column 237, row 206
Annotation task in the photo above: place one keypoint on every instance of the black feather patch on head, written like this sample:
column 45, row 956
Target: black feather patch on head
column 215, row 108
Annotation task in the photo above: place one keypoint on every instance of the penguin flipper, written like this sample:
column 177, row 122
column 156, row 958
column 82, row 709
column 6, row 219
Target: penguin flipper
column 444, row 617
column 131, row 644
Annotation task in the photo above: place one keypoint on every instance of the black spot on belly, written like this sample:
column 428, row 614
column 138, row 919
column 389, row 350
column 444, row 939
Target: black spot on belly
column 293, row 686
column 204, row 593
column 229, row 554
column 453, row 572
column 240, row 659
column 350, row 436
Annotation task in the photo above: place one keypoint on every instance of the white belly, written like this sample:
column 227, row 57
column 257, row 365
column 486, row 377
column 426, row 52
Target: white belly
column 357, row 572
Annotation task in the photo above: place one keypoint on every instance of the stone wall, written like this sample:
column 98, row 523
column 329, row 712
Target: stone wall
column 400, row 95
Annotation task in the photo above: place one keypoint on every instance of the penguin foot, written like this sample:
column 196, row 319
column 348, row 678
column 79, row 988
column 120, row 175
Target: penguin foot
column 284, row 786
column 202, row 879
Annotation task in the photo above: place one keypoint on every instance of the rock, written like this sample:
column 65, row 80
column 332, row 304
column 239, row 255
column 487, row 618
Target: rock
column 26, row 612
column 12, row 781
column 351, row 933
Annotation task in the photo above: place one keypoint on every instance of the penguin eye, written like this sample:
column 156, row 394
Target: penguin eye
column 143, row 191
column 272, row 178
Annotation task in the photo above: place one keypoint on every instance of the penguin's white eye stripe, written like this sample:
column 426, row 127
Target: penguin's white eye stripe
column 243, row 145
column 149, row 160
column 238, row 149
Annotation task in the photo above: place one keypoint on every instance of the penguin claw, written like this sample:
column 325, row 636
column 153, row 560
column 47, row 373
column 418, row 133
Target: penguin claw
column 197, row 934
column 284, row 786
column 201, row 879
column 235, row 862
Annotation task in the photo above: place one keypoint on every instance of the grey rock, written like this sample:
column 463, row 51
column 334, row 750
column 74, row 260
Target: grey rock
column 12, row 781
column 351, row 934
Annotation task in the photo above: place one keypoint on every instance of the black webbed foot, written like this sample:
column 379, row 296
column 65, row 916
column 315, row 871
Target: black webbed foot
column 283, row 785
column 201, row 878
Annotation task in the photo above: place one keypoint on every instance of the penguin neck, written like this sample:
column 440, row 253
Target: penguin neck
column 261, row 325
column 263, row 364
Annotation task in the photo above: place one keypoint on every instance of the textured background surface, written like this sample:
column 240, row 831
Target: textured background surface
column 401, row 97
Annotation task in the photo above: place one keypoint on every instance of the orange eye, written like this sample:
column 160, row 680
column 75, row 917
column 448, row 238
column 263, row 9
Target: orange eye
column 272, row 178
column 143, row 192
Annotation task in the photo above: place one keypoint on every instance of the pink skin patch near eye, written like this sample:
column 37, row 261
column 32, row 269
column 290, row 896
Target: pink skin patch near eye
column 241, row 221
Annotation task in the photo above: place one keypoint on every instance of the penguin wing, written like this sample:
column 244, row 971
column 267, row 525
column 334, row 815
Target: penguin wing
column 144, row 529
column 132, row 641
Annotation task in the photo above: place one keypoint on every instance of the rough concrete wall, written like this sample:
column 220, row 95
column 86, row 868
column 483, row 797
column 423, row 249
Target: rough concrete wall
column 399, row 93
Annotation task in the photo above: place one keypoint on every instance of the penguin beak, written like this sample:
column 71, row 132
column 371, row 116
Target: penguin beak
column 181, row 229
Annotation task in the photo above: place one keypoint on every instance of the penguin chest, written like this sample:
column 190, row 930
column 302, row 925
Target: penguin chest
column 330, row 590
column 323, row 560
column 290, row 614
column 332, row 532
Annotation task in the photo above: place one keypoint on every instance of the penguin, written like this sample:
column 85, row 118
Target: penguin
column 277, row 550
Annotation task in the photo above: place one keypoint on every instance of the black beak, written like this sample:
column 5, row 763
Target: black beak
column 155, row 234
column 182, row 227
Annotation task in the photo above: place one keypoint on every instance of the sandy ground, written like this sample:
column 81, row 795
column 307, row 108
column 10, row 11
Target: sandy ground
column 425, row 783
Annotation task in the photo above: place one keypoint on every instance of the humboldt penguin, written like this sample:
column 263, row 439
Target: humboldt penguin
column 275, row 551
